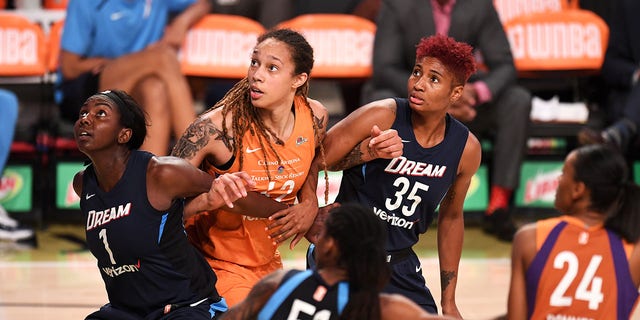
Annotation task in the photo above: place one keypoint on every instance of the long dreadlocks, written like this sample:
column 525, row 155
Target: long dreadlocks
column 245, row 116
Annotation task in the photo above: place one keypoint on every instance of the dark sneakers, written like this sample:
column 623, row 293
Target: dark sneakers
column 499, row 224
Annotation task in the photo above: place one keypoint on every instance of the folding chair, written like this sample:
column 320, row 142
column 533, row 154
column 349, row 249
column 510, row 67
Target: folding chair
column 55, row 4
column 342, row 44
column 53, row 45
column 572, row 41
column 23, row 53
column 23, row 60
column 219, row 46
column 510, row 9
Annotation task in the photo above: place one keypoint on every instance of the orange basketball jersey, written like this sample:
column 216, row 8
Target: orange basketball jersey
column 241, row 239
column 579, row 272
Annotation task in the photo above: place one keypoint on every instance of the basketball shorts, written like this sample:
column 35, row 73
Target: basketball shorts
column 406, row 278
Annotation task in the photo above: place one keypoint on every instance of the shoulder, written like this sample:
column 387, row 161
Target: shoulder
column 270, row 282
column 358, row 123
column 383, row 110
column 526, row 232
column 206, row 138
column 472, row 154
column 214, row 117
column 317, row 107
column 164, row 168
column 473, row 146
column 524, row 242
column 78, row 179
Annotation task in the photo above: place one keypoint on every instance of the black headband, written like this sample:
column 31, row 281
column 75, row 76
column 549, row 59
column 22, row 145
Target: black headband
column 115, row 98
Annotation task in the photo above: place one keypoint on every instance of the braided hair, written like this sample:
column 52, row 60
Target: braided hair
column 605, row 172
column 245, row 116
column 361, row 238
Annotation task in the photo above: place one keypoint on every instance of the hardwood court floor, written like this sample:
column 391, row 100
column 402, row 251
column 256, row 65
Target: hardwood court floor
column 59, row 279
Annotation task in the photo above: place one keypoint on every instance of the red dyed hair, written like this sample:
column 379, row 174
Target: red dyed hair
column 456, row 56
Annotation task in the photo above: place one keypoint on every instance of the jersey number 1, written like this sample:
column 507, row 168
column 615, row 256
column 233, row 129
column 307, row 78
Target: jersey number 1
column 103, row 235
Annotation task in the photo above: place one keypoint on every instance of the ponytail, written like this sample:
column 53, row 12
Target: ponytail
column 625, row 219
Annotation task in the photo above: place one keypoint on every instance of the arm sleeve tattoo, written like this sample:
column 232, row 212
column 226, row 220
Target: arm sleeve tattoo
column 197, row 136
column 353, row 158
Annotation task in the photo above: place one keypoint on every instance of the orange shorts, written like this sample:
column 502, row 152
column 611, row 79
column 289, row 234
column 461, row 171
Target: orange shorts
column 235, row 281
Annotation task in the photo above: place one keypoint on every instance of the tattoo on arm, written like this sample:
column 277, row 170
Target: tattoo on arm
column 352, row 159
column 197, row 136
column 445, row 278
column 450, row 196
column 371, row 152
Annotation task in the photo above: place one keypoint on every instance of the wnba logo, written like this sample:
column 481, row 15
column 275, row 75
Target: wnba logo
column 555, row 40
column 330, row 47
column 18, row 46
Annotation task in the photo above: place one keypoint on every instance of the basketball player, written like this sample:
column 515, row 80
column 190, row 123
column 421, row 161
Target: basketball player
column 584, row 264
column 265, row 125
column 439, row 158
column 133, row 204
column 352, row 269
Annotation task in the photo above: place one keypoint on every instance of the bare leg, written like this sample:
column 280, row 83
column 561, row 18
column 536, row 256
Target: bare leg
column 161, row 62
column 151, row 93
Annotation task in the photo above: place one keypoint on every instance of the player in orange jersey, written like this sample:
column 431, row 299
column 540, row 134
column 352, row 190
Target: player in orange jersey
column 266, row 126
column 584, row 264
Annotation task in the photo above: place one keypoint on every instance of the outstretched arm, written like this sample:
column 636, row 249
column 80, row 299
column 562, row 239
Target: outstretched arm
column 451, row 225
column 380, row 144
column 251, row 306
column 351, row 137
column 204, row 140
column 251, row 203
column 169, row 178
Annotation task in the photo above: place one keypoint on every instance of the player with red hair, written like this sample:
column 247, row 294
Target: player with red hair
column 454, row 55
column 432, row 167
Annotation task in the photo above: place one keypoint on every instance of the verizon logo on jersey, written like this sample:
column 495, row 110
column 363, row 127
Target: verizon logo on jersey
column 402, row 165
column 98, row 218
